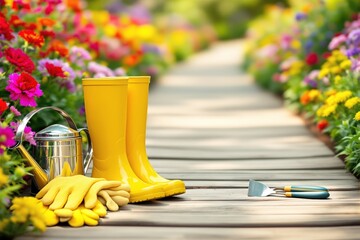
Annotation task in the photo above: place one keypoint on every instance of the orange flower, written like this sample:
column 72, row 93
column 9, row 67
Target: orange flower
column 58, row 47
column 133, row 59
column 305, row 98
column 46, row 22
column 32, row 38
column 74, row 5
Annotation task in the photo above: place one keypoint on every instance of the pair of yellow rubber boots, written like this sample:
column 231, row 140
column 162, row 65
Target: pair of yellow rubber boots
column 116, row 112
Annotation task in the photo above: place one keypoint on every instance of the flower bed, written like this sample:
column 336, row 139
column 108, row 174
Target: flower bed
column 310, row 55
column 47, row 47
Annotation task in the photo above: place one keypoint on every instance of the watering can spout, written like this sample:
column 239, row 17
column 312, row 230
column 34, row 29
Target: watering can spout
column 40, row 175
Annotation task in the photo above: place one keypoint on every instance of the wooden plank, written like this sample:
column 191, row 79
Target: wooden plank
column 165, row 233
column 233, row 133
column 192, row 165
column 228, row 219
column 280, row 152
column 332, row 185
column 210, row 194
column 262, row 175
column 246, row 208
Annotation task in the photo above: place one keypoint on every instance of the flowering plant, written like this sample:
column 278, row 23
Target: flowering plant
column 35, row 70
column 320, row 78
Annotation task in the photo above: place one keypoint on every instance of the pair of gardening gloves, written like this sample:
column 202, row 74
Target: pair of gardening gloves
column 81, row 200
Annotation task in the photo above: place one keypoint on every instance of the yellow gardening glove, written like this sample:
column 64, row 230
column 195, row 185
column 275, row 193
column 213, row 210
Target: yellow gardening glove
column 114, row 198
column 82, row 216
column 98, row 187
column 50, row 217
column 66, row 192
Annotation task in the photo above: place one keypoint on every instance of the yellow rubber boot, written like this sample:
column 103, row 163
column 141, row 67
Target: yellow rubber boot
column 138, row 91
column 105, row 107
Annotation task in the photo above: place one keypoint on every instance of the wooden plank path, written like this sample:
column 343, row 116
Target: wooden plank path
column 210, row 126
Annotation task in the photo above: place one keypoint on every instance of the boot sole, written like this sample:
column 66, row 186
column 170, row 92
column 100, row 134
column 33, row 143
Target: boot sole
column 147, row 197
column 175, row 191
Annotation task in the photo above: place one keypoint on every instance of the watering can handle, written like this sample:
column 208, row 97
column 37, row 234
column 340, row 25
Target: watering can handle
column 26, row 119
column 89, row 151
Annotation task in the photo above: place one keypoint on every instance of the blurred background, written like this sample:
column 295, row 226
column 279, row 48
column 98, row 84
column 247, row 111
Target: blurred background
column 229, row 19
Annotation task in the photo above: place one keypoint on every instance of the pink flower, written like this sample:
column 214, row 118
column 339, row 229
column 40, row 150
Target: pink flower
column 336, row 41
column 28, row 133
column 24, row 87
column 15, row 111
column 6, row 138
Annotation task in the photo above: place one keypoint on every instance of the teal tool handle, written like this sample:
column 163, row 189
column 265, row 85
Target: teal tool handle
column 312, row 195
column 305, row 188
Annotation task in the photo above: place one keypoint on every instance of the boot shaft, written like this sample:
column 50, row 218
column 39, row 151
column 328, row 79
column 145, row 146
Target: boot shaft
column 105, row 102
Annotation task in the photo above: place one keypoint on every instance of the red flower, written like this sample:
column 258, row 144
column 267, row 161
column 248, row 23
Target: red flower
column 16, row 21
column 3, row 106
column 311, row 59
column 47, row 33
column 5, row 29
column 322, row 124
column 54, row 71
column 20, row 60
column 32, row 37
column 326, row 55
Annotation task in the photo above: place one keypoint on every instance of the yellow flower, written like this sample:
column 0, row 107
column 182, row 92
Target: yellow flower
column 338, row 97
column 342, row 96
column 330, row 60
column 331, row 100
column 28, row 208
column 295, row 44
column 326, row 110
column 335, row 70
column 146, row 32
column 110, row 30
column 337, row 79
column 345, row 64
column 323, row 72
column 314, row 94
column 3, row 177
column 350, row 103
column 330, row 92
column 357, row 116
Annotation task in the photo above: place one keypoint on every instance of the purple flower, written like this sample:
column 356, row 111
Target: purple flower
column 78, row 55
column 100, row 70
column 352, row 52
column 81, row 111
column 300, row 16
column 24, row 87
column 6, row 138
column 150, row 48
column 308, row 45
column 336, row 41
column 310, row 79
column 354, row 37
column 28, row 133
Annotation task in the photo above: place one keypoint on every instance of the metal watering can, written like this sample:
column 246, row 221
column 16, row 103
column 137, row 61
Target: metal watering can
column 58, row 150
